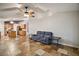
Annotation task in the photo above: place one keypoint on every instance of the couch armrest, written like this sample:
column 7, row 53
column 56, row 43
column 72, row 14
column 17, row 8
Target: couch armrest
column 54, row 37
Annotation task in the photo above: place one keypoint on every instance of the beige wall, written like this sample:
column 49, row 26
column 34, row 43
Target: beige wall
column 63, row 24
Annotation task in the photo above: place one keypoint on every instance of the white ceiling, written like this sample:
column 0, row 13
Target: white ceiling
column 9, row 13
column 7, row 5
column 52, row 7
column 59, row 7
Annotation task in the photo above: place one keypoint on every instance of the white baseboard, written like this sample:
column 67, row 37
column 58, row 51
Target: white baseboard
column 69, row 45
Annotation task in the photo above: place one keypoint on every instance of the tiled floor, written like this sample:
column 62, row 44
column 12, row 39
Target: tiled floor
column 23, row 46
column 52, row 50
column 14, row 46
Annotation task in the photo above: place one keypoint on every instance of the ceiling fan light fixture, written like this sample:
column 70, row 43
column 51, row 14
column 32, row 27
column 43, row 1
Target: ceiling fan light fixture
column 26, row 12
column 25, row 15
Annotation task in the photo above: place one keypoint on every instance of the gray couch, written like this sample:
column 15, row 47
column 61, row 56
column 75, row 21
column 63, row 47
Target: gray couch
column 43, row 37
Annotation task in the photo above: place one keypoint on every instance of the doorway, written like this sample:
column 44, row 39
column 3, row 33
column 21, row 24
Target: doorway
column 14, row 29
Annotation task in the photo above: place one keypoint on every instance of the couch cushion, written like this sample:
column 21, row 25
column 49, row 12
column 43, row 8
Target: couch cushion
column 40, row 33
column 48, row 33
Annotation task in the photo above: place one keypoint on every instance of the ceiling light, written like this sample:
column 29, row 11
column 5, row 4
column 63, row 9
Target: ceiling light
column 11, row 22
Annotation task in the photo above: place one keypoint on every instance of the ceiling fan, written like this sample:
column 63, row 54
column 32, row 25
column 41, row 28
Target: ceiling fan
column 27, row 9
column 39, row 9
column 21, row 8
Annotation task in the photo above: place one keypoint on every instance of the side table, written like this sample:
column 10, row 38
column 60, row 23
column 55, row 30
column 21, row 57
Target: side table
column 56, row 39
